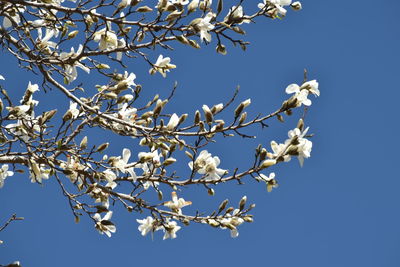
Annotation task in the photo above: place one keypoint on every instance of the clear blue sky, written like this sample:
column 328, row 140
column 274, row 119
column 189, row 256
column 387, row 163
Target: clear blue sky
column 342, row 209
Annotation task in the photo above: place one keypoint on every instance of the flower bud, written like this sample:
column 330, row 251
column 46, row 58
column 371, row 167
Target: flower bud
column 296, row 6
column 242, row 117
column 169, row 161
column 211, row 191
column 221, row 49
column 72, row 34
column 144, row 9
column 242, row 203
column 217, row 108
column 267, row 163
column 208, row 114
column 83, row 144
column 102, row 147
column 223, row 205
column 197, row 117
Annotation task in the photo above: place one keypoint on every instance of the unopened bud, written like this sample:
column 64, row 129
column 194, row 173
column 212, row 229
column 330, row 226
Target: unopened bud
column 242, row 117
column 83, row 144
column 102, row 147
column 223, row 205
column 208, row 114
column 211, row 191
column 296, row 5
column 242, row 203
column 144, row 9
column 267, row 163
column 169, row 161
column 221, row 49
column 300, row 125
column 197, row 117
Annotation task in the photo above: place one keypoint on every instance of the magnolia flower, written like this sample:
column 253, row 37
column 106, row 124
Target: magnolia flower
column 110, row 177
column 236, row 15
column 127, row 81
column 70, row 70
column 279, row 151
column 303, row 145
column 13, row 15
column 44, row 43
column 147, row 225
column 153, row 157
column 176, row 204
column 121, row 164
column 179, row 2
column 301, row 92
column 203, row 25
column 269, row 180
column 278, row 4
column 19, row 110
column 162, row 66
column 125, row 113
column 21, row 129
column 205, row 4
column 73, row 109
column 173, row 122
column 38, row 173
column 231, row 222
column 170, row 229
column 106, row 38
column 4, row 173
column 104, row 225
column 72, row 166
column 207, row 165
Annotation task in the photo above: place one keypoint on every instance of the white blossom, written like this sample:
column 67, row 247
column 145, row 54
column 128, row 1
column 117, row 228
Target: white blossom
column 73, row 109
column 236, row 15
column 44, row 43
column 278, row 4
column 176, row 204
column 12, row 15
column 162, row 65
column 121, row 163
column 204, row 25
column 173, row 122
column 231, row 222
column 269, row 180
column 170, row 229
column 70, row 70
column 4, row 173
column 106, row 38
column 38, row 173
column 104, row 225
column 110, row 177
column 208, row 166
column 147, row 225
column 301, row 92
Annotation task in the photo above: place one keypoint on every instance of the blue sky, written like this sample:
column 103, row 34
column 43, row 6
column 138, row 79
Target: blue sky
column 340, row 210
